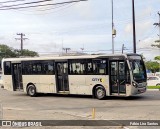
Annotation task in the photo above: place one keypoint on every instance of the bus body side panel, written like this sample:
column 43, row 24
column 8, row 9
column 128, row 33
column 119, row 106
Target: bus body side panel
column 83, row 84
column 47, row 83
column 94, row 80
column 129, row 89
column 43, row 83
column 77, row 85
column 8, row 82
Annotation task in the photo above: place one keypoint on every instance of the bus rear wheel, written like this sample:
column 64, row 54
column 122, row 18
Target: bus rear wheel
column 31, row 91
column 100, row 93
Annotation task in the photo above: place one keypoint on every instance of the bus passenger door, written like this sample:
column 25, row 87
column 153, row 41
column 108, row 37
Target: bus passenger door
column 17, row 77
column 117, row 77
column 62, row 77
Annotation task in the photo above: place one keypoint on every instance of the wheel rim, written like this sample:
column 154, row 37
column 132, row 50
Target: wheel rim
column 31, row 90
column 100, row 93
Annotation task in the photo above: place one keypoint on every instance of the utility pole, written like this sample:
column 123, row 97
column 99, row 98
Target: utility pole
column 134, row 30
column 21, row 39
column 82, row 48
column 158, row 24
column 123, row 48
column 113, row 30
column 66, row 49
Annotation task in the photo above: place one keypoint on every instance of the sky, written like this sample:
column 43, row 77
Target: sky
column 86, row 24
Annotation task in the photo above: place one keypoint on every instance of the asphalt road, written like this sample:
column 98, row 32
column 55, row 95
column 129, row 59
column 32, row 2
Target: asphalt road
column 17, row 105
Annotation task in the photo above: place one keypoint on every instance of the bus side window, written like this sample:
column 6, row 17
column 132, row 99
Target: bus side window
column 27, row 68
column 100, row 67
column 38, row 67
column 48, row 67
column 7, row 68
column 51, row 68
column 34, row 69
column 89, row 68
column 76, row 67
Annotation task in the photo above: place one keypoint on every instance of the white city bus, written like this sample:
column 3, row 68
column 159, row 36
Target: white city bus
column 97, row 75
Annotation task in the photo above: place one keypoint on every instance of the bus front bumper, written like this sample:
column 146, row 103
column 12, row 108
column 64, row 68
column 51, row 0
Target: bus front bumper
column 141, row 90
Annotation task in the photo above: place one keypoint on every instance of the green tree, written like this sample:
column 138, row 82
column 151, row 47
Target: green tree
column 6, row 51
column 9, row 52
column 157, row 58
column 157, row 44
column 25, row 52
column 153, row 66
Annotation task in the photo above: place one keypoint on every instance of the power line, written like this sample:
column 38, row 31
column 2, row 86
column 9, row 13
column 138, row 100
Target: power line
column 32, row 6
column 53, row 8
column 11, row 1
column 48, row 10
column 35, row 2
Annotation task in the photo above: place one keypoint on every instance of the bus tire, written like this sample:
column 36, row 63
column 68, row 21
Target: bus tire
column 100, row 92
column 31, row 91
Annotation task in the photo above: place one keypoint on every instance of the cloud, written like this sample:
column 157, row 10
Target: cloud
column 141, row 28
column 146, row 12
column 143, row 23
column 145, row 47
column 150, row 54
column 129, row 28
column 84, row 9
column 90, row 42
column 146, row 43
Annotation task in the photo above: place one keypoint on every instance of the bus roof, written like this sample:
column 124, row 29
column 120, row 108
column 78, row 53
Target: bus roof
column 63, row 57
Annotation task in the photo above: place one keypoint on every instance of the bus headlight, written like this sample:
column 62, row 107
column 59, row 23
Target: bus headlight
column 134, row 84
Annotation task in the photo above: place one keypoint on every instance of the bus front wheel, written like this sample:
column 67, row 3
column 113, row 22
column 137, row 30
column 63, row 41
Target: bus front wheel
column 31, row 91
column 100, row 93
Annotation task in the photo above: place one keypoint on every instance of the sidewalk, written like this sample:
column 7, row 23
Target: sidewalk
column 153, row 89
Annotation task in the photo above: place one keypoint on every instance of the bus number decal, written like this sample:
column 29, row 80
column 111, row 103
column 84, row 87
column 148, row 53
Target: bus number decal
column 97, row 80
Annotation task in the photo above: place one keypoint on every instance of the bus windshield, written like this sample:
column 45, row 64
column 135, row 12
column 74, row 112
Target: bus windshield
column 138, row 68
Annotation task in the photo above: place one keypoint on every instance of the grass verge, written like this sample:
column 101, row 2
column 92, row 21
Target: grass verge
column 153, row 87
